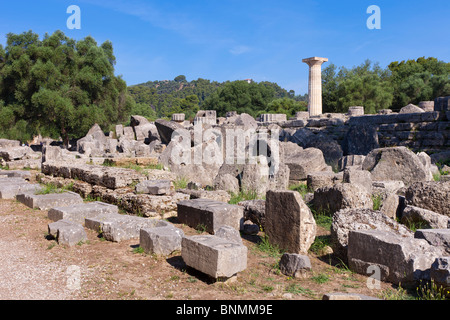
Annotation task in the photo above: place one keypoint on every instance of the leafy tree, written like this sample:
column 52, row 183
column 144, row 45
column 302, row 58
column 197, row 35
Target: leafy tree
column 180, row 78
column 287, row 106
column 419, row 80
column 365, row 85
column 59, row 87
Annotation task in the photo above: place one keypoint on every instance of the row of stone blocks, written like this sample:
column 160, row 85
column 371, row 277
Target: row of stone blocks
column 216, row 255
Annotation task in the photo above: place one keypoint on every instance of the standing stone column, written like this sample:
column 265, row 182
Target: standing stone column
column 315, row 85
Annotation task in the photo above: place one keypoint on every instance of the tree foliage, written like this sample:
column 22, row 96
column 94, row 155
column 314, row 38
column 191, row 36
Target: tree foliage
column 375, row 88
column 58, row 87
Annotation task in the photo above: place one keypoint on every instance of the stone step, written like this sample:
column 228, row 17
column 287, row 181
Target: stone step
column 67, row 232
column 79, row 212
column 117, row 227
column 12, row 189
column 163, row 239
column 214, row 256
column 210, row 214
column 48, row 201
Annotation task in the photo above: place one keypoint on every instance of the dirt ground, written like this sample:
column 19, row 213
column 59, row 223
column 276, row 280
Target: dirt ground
column 33, row 267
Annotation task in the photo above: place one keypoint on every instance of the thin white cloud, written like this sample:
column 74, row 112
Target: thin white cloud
column 240, row 49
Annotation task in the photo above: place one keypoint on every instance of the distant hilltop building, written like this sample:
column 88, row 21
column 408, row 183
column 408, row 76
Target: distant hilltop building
column 248, row 80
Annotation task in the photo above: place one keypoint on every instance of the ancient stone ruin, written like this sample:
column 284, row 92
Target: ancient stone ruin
column 375, row 175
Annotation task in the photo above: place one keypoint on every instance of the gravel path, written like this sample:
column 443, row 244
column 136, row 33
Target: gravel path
column 26, row 271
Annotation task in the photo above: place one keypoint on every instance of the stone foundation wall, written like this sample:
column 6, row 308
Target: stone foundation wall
column 427, row 131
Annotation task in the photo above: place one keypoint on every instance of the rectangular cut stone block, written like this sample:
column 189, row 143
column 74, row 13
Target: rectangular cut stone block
column 117, row 227
column 79, row 212
column 155, row 187
column 67, row 232
column 214, row 256
column 289, row 222
column 48, row 201
column 163, row 239
column 210, row 214
column 435, row 237
column 404, row 260
column 12, row 189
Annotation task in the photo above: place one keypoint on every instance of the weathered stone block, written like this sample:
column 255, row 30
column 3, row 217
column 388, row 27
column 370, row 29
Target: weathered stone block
column 401, row 260
column 342, row 196
column 435, row 237
column 362, row 177
column 48, row 201
column 11, row 190
column 428, row 218
column 430, row 195
column 348, row 220
column 155, row 187
column 440, row 273
column 210, row 214
column 214, row 256
column 79, row 212
column 117, row 227
column 294, row 265
column 289, row 222
column 67, row 232
column 163, row 239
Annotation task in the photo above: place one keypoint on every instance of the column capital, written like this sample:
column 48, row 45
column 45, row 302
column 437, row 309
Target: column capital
column 315, row 60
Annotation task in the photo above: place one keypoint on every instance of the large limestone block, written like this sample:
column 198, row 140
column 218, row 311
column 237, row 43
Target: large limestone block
column 67, row 232
column 342, row 196
column 427, row 218
column 289, row 222
column 163, row 239
column 12, row 189
column 435, row 237
column 362, row 177
column 79, row 212
column 305, row 162
column 18, row 153
column 48, row 201
column 345, row 221
column 166, row 129
column 440, row 273
column 395, row 163
column 210, row 214
column 318, row 180
column 155, row 187
column 214, row 256
column 411, row 108
column 431, row 195
column 360, row 140
column 404, row 260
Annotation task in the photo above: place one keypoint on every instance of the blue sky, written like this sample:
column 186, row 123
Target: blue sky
column 239, row 39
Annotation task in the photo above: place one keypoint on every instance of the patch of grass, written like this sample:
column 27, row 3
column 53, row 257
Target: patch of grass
column 321, row 278
column 271, row 250
column 299, row 290
column 324, row 220
column 437, row 176
column 200, row 228
column 90, row 198
column 395, row 294
column 180, row 183
column 267, row 288
column 49, row 188
column 319, row 245
column 431, row 291
column 158, row 166
column 377, row 202
column 242, row 196
column 139, row 250
column 300, row 188
column 416, row 225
